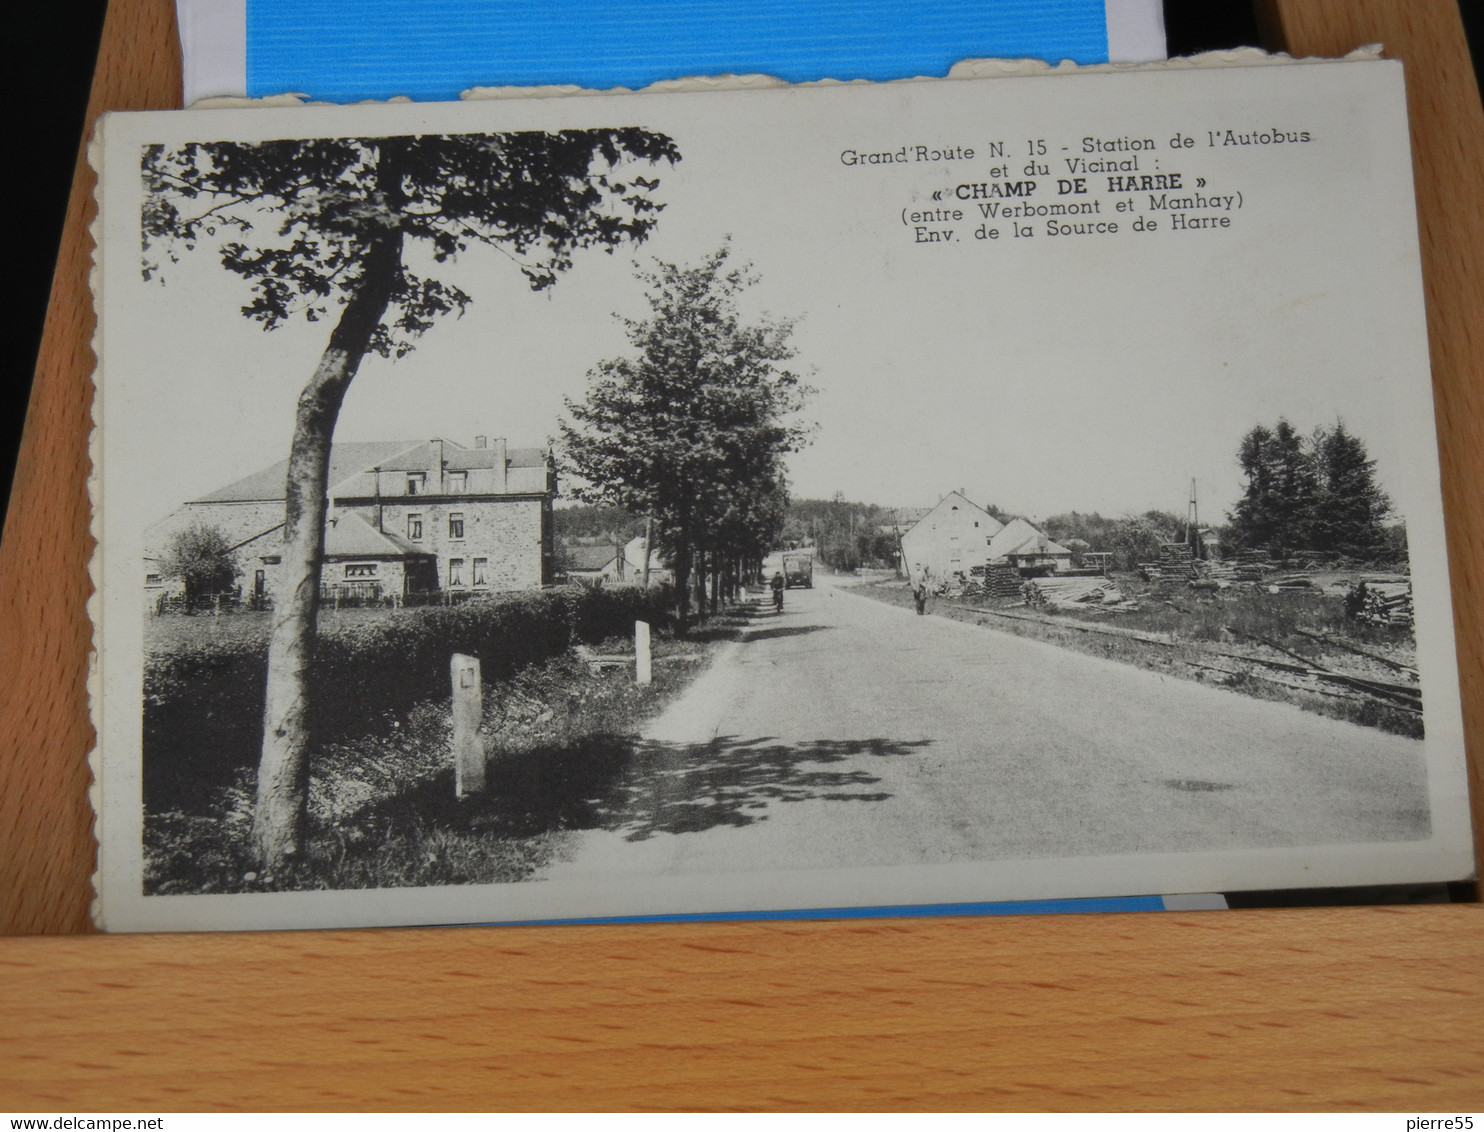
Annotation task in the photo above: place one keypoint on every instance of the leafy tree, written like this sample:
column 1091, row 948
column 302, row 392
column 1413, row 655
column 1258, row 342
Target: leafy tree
column 692, row 429
column 1138, row 538
column 587, row 522
column 321, row 226
column 848, row 535
column 200, row 556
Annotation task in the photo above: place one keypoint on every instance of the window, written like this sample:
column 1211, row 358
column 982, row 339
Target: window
column 154, row 579
column 455, row 571
column 458, row 483
column 360, row 570
column 415, row 527
column 417, row 483
column 456, row 524
column 480, row 566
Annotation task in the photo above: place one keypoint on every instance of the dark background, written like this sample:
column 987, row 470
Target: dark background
column 53, row 48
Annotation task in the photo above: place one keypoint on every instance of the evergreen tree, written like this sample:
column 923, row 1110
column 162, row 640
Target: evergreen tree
column 1352, row 510
column 1295, row 488
column 1314, row 493
column 1255, row 518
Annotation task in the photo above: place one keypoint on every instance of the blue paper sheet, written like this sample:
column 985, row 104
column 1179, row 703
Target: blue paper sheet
column 348, row 50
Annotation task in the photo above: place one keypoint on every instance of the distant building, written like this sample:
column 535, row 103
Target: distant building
column 404, row 518
column 615, row 565
column 592, row 563
column 950, row 539
column 634, row 553
column 957, row 535
column 1022, row 545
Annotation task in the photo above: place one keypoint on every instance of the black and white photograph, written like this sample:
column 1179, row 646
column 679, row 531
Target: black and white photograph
column 934, row 493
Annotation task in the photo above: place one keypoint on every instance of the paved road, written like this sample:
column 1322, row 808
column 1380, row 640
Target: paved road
column 848, row 732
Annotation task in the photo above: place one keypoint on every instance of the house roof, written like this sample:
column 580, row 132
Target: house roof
column 955, row 501
column 346, row 459
column 347, row 535
column 633, row 553
column 352, row 457
column 1022, row 537
column 589, row 557
column 457, row 458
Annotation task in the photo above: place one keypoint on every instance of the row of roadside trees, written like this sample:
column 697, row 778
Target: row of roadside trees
column 692, row 429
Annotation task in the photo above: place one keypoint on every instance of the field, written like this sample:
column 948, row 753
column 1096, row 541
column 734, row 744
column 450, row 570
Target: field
column 1296, row 645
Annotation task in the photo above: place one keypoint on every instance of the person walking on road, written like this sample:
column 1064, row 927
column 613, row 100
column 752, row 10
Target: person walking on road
column 920, row 591
column 777, row 587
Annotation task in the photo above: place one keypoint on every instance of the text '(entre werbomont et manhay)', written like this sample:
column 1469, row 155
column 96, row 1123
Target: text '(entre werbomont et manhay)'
column 1090, row 187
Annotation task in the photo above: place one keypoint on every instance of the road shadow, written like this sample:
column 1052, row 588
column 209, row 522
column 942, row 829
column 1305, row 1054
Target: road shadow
column 781, row 631
column 727, row 625
column 731, row 781
column 639, row 788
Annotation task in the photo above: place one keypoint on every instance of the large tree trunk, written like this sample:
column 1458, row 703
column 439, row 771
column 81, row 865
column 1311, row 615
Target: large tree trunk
column 283, row 770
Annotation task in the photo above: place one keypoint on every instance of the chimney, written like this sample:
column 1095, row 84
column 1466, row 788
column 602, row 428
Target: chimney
column 435, row 466
column 502, row 459
column 481, row 442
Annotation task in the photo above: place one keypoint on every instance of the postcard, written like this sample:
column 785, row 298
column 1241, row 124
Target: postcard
column 840, row 496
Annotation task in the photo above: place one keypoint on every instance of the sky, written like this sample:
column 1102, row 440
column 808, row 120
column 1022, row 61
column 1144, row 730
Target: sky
column 1098, row 372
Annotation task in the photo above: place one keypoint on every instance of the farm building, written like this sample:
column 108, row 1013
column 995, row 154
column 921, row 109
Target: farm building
column 404, row 518
column 957, row 535
column 950, row 539
column 634, row 553
column 592, row 563
column 1022, row 545
column 615, row 565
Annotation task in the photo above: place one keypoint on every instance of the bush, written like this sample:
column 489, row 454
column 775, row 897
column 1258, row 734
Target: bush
column 203, row 701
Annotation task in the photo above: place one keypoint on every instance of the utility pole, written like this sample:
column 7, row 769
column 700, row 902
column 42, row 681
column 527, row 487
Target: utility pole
column 1193, row 523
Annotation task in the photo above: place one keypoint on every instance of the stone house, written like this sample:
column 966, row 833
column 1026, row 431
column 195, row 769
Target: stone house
column 950, row 539
column 404, row 519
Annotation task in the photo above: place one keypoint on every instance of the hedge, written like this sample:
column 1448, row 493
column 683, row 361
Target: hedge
column 203, row 703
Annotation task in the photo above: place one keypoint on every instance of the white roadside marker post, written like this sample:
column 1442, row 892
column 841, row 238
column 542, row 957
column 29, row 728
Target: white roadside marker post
column 468, row 710
column 643, row 666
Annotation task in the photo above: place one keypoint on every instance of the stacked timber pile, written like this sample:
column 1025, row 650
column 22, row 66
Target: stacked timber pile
column 1176, row 562
column 1380, row 602
column 1251, row 566
column 1001, row 580
column 1054, row 592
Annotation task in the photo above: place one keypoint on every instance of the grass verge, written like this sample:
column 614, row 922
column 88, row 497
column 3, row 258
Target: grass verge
column 382, row 811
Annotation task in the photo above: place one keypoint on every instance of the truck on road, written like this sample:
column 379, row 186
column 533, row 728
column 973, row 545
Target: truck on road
column 798, row 570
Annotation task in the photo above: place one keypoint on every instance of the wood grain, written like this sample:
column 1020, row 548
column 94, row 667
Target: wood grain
column 46, row 846
column 1362, row 1009
column 1321, row 1008
column 1448, row 165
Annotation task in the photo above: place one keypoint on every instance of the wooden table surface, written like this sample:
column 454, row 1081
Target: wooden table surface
column 1357, row 1008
